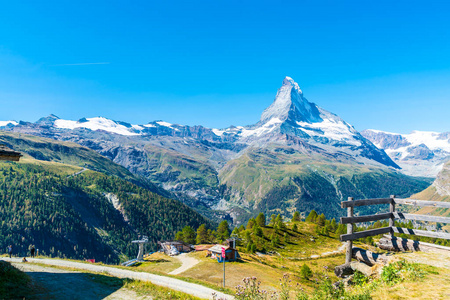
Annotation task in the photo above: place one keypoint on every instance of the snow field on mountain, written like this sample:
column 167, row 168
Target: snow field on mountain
column 98, row 123
column 4, row 123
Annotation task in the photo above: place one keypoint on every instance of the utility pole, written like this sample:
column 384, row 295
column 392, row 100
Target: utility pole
column 223, row 258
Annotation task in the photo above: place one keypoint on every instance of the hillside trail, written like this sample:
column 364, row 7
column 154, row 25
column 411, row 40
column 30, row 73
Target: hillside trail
column 64, row 284
column 187, row 262
column 325, row 254
column 77, row 173
column 169, row 282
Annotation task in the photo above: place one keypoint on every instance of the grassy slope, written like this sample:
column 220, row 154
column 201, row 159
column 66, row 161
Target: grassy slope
column 268, row 268
column 48, row 150
column 431, row 194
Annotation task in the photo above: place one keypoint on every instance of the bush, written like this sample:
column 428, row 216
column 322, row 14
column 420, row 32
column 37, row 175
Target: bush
column 305, row 272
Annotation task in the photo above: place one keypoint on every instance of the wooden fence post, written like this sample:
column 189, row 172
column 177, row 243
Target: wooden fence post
column 348, row 254
column 392, row 211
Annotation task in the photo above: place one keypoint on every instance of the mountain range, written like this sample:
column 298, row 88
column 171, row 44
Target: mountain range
column 420, row 153
column 297, row 157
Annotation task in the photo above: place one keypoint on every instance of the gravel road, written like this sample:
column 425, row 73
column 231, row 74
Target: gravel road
column 64, row 284
column 172, row 283
column 187, row 262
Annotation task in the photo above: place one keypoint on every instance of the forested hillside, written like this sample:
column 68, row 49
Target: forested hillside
column 89, row 215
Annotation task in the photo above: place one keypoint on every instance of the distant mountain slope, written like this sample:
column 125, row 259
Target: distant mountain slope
column 228, row 172
column 68, row 211
column 281, row 180
column 420, row 153
column 46, row 149
column 438, row 191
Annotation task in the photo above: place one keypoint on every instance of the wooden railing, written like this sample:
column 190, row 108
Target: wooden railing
column 350, row 220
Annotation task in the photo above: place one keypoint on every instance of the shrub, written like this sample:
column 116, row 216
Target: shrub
column 305, row 272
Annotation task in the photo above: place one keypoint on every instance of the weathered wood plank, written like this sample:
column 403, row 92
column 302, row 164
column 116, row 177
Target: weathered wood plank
column 396, row 244
column 343, row 270
column 365, row 202
column 368, row 257
column 366, row 233
column 392, row 210
column 361, row 267
column 412, row 245
column 440, row 235
column 421, row 203
column 348, row 251
column 368, row 218
column 421, row 218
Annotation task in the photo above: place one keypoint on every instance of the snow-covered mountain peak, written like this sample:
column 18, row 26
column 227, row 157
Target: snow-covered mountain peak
column 288, row 81
column 290, row 105
column 6, row 123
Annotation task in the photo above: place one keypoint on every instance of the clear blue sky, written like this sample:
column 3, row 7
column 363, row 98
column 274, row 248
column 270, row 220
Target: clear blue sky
column 377, row 64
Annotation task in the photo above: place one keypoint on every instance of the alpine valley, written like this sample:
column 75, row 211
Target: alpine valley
column 297, row 157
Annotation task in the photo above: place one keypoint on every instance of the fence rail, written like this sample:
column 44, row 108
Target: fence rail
column 392, row 215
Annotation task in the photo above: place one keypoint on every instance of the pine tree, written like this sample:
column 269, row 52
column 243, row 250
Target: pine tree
column 188, row 235
column 202, row 235
column 222, row 231
column 296, row 217
column 320, row 220
column 311, row 218
column 261, row 220
column 251, row 223
column 272, row 220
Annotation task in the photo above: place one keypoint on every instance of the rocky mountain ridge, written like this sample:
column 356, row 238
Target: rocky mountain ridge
column 420, row 153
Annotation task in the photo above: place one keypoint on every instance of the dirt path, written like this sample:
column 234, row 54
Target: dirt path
column 187, row 262
column 63, row 284
column 172, row 283
column 77, row 173
column 325, row 254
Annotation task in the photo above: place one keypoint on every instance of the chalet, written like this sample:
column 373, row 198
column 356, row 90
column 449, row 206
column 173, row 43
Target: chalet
column 231, row 253
column 8, row 154
column 175, row 247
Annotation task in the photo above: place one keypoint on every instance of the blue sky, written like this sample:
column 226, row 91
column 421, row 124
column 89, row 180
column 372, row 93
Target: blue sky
column 382, row 65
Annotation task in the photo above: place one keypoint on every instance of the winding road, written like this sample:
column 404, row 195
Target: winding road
column 172, row 283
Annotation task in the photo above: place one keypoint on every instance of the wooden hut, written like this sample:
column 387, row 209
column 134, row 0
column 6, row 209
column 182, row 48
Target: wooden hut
column 8, row 154
column 169, row 246
column 231, row 253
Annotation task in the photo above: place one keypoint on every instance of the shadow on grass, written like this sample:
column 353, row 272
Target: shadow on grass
column 16, row 284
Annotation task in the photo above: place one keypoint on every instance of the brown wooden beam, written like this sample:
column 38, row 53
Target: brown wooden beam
column 365, row 202
column 363, row 234
column 368, row 218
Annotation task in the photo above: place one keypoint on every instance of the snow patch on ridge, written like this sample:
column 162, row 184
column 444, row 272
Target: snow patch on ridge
column 264, row 129
column 165, row 124
column 5, row 123
column 334, row 130
column 98, row 123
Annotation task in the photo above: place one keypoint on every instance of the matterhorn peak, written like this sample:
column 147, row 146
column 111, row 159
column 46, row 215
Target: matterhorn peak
column 290, row 105
column 288, row 81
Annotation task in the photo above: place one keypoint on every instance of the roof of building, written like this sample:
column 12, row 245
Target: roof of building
column 217, row 248
column 8, row 154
